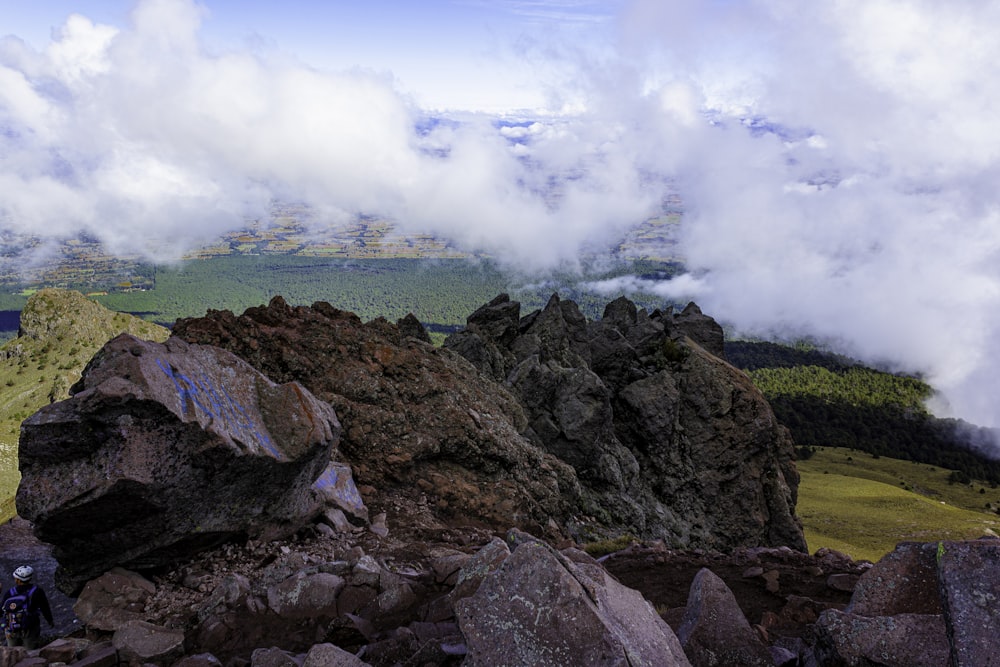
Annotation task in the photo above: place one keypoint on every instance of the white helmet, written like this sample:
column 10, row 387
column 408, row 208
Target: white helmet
column 24, row 573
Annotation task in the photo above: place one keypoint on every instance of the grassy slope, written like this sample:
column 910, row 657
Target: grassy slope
column 61, row 332
column 863, row 506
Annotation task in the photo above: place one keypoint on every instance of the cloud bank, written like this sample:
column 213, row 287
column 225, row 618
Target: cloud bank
column 147, row 139
column 837, row 161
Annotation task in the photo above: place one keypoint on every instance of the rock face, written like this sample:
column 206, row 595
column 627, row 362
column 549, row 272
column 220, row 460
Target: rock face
column 166, row 449
column 559, row 426
column 668, row 440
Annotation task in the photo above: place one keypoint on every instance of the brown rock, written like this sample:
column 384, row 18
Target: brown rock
column 140, row 643
column 113, row 599
column 842, row 581
column 11, row 655
column 404, row 401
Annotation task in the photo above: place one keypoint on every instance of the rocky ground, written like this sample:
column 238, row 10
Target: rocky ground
column 780, row 591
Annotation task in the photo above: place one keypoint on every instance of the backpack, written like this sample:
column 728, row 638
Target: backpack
column 16, row 616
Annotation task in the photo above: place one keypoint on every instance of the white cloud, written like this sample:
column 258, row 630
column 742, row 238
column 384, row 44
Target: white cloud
column 838, row 161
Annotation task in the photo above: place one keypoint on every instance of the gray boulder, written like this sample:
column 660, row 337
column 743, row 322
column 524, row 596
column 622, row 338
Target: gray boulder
column 539, row 608
column 714, row 632
column 923, row 604
column 969, row 573
column 164, row 450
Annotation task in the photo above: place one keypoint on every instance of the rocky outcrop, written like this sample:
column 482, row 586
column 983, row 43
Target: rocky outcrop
column 163, row 450
column 667, row 439
column 569, row 427
column 430, row 442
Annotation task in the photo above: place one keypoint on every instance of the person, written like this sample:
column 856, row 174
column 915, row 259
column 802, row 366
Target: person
column 22, row 608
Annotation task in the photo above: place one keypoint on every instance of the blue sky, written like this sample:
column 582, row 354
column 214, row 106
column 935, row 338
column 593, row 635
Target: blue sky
column 468, row 54
column 870, row 219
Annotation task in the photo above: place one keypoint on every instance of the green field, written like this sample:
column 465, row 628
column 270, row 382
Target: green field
column 864, row 506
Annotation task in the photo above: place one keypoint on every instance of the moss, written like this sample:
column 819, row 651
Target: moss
column 609, row 546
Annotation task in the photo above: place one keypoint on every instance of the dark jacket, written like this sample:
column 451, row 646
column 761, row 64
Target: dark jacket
column 38, row 603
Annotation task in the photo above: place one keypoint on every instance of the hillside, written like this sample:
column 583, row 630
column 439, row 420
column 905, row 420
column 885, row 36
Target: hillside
column 827, row 400
column 60, row 331
column 863, row 506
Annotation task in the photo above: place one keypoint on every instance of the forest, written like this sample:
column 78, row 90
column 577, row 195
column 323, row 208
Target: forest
column 441, row 293
column 830, row 401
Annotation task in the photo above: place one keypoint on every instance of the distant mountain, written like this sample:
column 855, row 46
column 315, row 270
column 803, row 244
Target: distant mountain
column 60, row 331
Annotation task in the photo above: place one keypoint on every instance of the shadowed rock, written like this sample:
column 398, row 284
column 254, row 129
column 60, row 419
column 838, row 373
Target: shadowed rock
column 969, row 573
column 163, row 450
column 668, row 440
column 714, row 631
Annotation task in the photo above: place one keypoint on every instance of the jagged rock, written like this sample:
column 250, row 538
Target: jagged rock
column 336, row 487
column 113, row 599
column 903, row 640
column 541, row 609
column 166, row 449
column 714, row 632
column 702, row 329
column 668, row 440
column 139, row 642
column 328, row 655
column 969, row 573
column 432, row 442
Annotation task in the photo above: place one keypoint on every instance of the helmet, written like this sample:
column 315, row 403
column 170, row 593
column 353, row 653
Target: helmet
column 24, row 573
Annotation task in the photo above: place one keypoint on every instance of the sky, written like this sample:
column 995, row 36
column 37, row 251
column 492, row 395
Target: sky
column 838, row 161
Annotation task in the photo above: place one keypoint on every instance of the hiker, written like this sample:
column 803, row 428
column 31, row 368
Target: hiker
column 22, row 606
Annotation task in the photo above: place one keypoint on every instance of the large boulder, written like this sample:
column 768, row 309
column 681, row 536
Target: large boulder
column 166, row 449
column 540, row 608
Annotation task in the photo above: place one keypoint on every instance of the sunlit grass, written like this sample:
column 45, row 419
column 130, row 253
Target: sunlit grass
column 865, row 506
